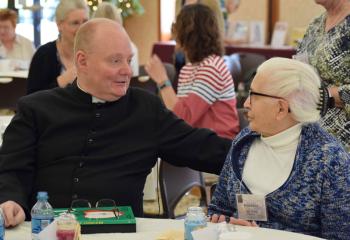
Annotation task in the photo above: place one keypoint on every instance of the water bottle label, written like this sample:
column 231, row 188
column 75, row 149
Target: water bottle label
column 39, row 224
column 2, row 232
column 2, row 225
column 189, row 227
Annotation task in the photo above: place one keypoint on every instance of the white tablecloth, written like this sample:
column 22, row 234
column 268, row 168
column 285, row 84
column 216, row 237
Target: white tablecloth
column 15, row 74
column 150, row 229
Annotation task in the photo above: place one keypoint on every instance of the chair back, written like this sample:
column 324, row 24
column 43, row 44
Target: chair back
column 175, row 182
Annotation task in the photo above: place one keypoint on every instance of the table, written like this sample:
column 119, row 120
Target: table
column 165, row 50
column 13, row 85
column 150, row 229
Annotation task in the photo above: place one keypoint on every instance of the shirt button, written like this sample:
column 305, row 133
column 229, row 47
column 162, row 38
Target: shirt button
column 74, row 196
column 98, row 115
column 76, row 180
column 81, row 164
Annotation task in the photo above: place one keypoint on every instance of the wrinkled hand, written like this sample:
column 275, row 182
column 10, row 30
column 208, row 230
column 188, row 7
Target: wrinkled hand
column 13, row 213
column 156, row 70
column 217, row 219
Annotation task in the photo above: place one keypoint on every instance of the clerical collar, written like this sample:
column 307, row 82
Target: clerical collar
column 93, row 98
column 285, row 138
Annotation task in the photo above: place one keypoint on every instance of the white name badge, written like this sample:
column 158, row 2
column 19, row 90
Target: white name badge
column 251, row 207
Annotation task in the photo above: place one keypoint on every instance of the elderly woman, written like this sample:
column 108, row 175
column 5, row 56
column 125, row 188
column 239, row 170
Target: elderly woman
column 296, row 171
column 110, row 11
column 205, row 94
column 13, row 46
column 326, row 46
column 52, row 64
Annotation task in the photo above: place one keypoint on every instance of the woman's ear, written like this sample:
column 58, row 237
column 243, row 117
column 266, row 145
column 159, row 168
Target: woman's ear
column 283, row 109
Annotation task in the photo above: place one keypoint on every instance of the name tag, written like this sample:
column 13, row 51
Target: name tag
column 251, row 207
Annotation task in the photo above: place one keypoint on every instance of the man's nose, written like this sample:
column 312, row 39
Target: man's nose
column 126, row 69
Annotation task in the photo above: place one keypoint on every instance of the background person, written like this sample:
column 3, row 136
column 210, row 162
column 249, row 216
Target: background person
column 300, row 169
column 72, row 141
column 205, row 94
column 214, row 5
column 110, row 11
column 52, row 64
column 326, row 46
column 12, row 45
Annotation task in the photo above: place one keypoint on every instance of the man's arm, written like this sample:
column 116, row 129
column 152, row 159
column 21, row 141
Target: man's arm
column 181, row 145
column 17, row 159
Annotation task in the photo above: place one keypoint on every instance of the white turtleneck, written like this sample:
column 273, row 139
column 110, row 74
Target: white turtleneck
column 270, row 161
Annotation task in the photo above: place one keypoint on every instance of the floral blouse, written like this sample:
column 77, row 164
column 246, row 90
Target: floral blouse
column 329, row 53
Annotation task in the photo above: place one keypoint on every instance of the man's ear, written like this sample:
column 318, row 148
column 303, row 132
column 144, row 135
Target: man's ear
column 283, row 109
column 81, row 59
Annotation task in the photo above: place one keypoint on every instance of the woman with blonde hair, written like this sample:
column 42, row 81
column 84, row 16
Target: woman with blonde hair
column 52, row 64
column 110, row 11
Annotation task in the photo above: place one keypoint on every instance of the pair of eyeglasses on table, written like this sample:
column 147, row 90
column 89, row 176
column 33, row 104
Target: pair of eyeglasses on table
column 84, row 203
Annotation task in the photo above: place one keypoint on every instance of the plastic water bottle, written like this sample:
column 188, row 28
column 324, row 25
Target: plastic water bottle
column 195, row 219
column 2, row 225
column 42, row 214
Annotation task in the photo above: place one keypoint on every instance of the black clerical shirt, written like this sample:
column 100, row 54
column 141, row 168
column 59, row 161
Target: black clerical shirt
column 62, row 143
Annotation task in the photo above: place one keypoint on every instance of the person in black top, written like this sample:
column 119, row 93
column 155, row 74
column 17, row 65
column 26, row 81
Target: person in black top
column 52, row 64
column 96, row 138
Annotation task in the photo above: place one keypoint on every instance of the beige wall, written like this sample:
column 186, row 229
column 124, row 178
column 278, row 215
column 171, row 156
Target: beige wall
column 144, row 30
column 298, row 13
column 252, row 10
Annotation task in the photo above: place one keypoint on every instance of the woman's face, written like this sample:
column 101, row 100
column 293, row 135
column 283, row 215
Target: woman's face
column 326, row 3
column 69, row 26
column 7, row 31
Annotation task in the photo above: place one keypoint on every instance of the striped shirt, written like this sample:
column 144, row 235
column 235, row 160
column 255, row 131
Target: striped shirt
column 207, row 96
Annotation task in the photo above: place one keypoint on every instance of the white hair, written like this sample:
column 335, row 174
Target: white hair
column 66, row 6
column 108, row 10
column 297, row 82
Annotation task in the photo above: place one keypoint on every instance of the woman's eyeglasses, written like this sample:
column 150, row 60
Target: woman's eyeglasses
column 251, row 93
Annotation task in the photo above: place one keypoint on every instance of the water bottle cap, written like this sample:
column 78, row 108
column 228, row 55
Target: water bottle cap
column 195, row 209
column 42, row 195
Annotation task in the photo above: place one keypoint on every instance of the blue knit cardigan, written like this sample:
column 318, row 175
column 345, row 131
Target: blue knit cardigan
column 314, row 200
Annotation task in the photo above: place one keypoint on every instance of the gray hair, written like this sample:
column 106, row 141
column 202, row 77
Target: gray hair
column 297, row 82
column 66, row 6
column 108, row 10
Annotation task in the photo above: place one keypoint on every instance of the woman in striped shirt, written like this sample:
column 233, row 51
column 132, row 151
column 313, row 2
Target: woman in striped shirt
column 205, row 95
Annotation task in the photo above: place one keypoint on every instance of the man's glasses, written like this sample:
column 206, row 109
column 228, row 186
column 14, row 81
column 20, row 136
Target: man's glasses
column 83, row 203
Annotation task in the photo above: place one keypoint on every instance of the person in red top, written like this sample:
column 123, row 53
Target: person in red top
column 205, row 94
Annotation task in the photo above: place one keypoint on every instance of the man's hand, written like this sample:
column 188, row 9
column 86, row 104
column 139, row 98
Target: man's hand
column 13, row 213
column 217, row 219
